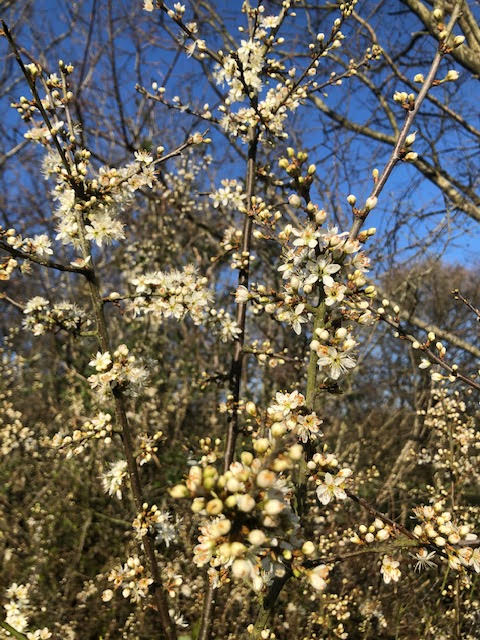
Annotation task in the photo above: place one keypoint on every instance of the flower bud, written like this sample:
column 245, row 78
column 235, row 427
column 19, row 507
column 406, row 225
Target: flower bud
column 198, row 505
column 250, row 408
column 278, row 429
column 308, row 548
column 410, row 139
column 296, row 452
column 179, row 491
column 214, row 507
column 265, row 478
column 245, row 502
column 273, row 507
column 294, row 200
column 241, row 569
column 261, row 445
column 382, row 535
column 231, row 501
column 256, row 537
column 351, row 199
column 452, row 75
column 223, row 526
column 371, row 203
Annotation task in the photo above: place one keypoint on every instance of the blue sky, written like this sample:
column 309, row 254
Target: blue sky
column 324, row 142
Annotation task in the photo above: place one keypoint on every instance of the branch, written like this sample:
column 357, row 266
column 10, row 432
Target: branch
column 44, row 262
column 396, row 155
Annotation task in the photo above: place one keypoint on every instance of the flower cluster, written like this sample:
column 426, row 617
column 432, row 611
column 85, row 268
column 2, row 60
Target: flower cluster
column 320, row 264
column 438, row 526
column 147, row 447
column 131, row 578
column 250, row 522
column 112, row 480
column 18, row 610
column 177, row 294
column 110, row 191
column 98, row 428
column 40, row 246
column 229, row 195
column 43, row 316
column 13, row 433
column 122, row 370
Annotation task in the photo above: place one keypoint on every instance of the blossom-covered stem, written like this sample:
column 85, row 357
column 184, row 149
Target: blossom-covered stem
column 44, row 262
column 238, row 356
column 168, row 628
column 207, row 613
column 396, row 155
column 431, row 354
column 267, row 609
column 38, row 102
column 243, row 275
column 122, row 421
column 397, row 526
column 267, row 605
column 13, row 632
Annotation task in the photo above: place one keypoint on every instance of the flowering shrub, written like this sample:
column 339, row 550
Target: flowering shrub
column 169, row 484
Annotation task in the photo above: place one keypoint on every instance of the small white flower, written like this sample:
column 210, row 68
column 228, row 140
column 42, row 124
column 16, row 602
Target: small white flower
column 390, row 570
column 101, row 362
column 331, row 488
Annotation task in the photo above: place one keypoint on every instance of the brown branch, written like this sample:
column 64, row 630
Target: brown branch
column 396, row 155
column 44, row 262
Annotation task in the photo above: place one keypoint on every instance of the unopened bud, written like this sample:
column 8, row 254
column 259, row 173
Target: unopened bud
column 294, row 200
column 410, row 139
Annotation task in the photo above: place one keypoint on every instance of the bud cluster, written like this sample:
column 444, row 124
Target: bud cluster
column 249, row 519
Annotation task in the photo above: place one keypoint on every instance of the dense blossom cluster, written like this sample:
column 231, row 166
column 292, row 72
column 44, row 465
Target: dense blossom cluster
column 14, row 433
column 250, row 513
column 17, row 613
column 109, row 191
column 43, row 316
column 179, row 293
